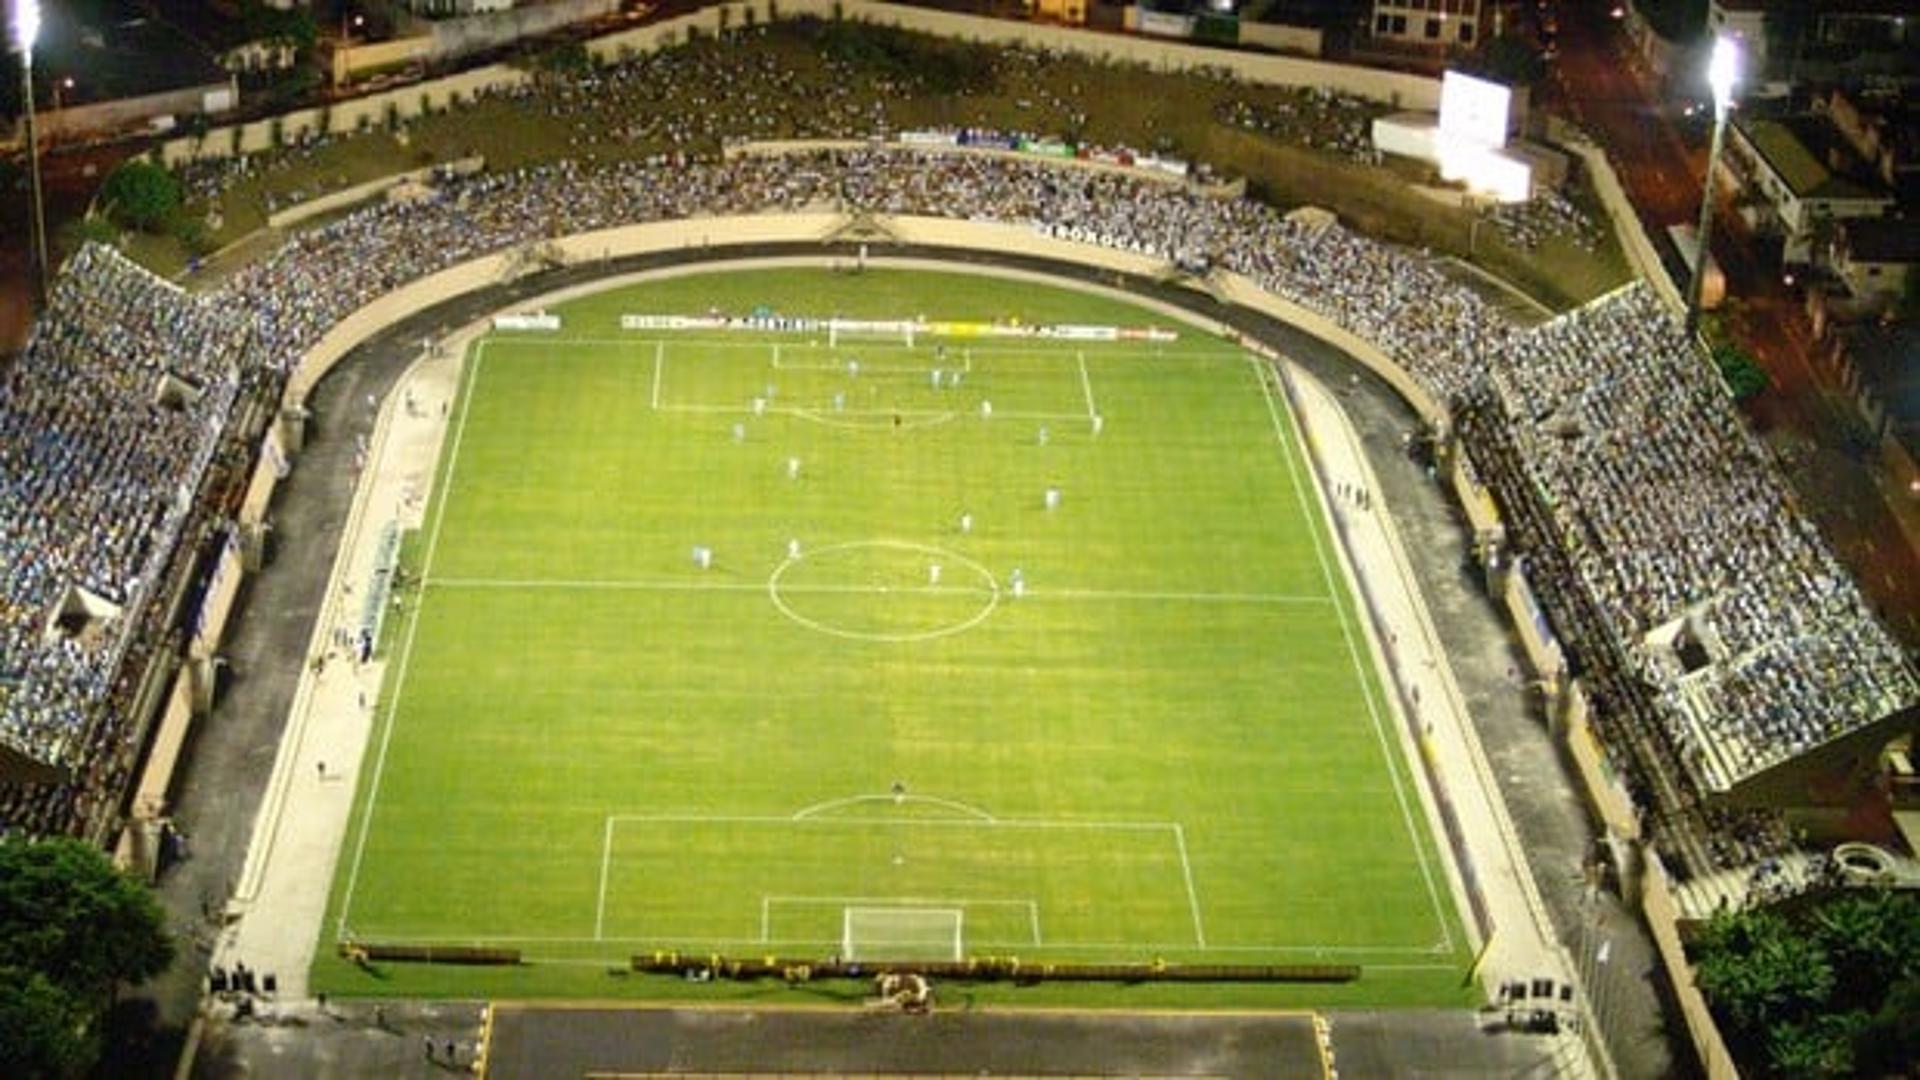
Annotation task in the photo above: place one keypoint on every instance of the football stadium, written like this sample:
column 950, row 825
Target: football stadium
column 872, row 570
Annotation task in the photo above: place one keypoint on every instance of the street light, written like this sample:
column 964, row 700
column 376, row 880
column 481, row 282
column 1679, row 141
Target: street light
column 1723, row 71
column 26, row 29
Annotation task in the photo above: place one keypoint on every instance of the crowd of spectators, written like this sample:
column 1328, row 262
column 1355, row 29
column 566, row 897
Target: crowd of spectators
column 1671, row 513
column 1316, row 118
column 1547, row 216
column 106, row 423
column 1652, row 502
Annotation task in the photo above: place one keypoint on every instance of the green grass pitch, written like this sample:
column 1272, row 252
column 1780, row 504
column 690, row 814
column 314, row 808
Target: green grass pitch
column 1140, row 724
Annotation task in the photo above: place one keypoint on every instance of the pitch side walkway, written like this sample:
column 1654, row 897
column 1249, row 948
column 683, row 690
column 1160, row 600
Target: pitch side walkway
column 303, row 826
column 1435, row 727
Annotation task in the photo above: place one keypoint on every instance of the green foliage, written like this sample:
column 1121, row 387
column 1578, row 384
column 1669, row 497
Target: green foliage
column 1511, row 60
column 937, row 66
column 1834, row 991
column 294, row 26
column 1819, row 1046
column 1760, row 971
column 1873, row 939
column 1743, row 374
column 74, row 928
column 41, row 1031
column 1889, row 1042
column 92, row 228
column 565, row 60
column 141, row 195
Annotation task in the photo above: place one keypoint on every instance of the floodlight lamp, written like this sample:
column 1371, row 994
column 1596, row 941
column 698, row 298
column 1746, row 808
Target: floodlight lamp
column 26, row 23
column 1723, row 71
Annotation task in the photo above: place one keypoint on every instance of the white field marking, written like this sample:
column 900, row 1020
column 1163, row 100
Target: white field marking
column 1086, row 384
column 1186, row 871
column 768, row 902
column 659, row 364
column 1290, row 446
column 606, row 856
column 567, row 961
column 865, row 368
column 1033, row 917
column 853, row 800
column 1174, row 947
column 832, row 418
column 1041, row 348
column 406, row 651
column 972, row 823
column 1173, row 829
column 954, row 915
column 1195, row 597
column 776, row 595
column 620, row 585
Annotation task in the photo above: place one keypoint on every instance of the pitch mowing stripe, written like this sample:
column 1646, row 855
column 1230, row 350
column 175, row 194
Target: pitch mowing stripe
column 445, row 494
column 1353, row 651
column 625, row 585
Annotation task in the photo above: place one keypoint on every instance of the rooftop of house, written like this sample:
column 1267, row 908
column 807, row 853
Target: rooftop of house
column 1811, row 158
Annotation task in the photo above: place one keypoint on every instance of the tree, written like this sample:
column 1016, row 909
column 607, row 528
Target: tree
column 1873, row 938
column 1889, row 1043
column 1511, row 60
column 74, row 928
column 40, row 1035
column 1757, row 968
column 141, row 195
column 1744, row 376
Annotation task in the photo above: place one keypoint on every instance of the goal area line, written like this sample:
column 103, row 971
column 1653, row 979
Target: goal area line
column 1171, row 834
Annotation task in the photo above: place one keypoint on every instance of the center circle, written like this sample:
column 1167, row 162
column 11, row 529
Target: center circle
column 884, row 590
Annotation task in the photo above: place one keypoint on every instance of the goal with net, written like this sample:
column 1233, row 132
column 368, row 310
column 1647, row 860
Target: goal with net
column 901, row 933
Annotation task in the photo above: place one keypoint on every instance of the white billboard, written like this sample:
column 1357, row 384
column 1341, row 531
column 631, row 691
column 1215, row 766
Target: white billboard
column 1474, row 111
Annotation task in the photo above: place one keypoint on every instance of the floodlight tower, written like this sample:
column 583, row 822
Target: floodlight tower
column 1723, row 71
column 26, row 28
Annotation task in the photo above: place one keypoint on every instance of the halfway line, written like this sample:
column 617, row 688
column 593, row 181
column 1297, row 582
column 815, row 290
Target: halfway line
column 619, row 585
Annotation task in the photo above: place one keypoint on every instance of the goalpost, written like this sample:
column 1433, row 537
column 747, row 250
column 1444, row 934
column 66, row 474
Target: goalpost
column 901, row 933
column 887, row 330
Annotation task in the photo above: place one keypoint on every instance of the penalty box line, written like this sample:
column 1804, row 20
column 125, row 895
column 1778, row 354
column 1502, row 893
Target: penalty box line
column 1174, row 829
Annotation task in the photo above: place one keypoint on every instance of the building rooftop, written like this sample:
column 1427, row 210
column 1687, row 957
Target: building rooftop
column 1793, row 147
